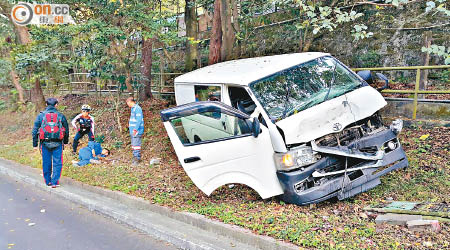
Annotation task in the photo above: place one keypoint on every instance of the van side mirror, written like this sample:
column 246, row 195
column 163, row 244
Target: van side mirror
column 256, row 127
column 366, row 75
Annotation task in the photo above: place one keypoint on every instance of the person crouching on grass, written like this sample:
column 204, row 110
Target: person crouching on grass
column 86, row 123
column 136, row 126
column 91, row 154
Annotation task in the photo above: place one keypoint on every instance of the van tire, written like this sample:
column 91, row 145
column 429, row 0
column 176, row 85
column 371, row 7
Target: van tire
column 197, row 139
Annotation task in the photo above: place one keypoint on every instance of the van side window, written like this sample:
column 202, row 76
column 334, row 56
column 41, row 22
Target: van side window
column 241, row 100
column 201, row 128
column 207, row 93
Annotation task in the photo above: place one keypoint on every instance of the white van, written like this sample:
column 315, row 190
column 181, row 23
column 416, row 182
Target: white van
column 300, row 126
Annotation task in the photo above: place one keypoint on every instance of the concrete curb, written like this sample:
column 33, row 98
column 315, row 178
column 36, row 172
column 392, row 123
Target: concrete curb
column 248, row 239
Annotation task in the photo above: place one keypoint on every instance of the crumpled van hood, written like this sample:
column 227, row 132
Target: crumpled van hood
column 331, row 116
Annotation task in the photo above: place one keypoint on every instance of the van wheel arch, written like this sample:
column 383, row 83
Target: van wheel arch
column 238, row 178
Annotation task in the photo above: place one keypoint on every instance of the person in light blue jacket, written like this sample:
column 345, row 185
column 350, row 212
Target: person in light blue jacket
column 91, row 154
column 136, row 126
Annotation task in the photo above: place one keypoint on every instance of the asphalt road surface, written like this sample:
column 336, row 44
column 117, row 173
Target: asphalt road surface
column 32, row 219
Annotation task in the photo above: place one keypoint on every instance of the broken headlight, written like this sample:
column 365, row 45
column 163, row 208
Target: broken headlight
column 296, row 158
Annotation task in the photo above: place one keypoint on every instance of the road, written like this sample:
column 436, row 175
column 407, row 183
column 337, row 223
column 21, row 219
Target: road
column 32, row 219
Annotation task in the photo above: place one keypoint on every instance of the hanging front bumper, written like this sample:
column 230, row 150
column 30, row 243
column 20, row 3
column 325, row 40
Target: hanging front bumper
column 313, row 184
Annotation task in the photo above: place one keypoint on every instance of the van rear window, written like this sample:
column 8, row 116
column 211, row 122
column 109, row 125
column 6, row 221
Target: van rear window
column 207, row 93
column 206, row 127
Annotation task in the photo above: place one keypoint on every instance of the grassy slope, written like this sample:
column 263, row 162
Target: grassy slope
column 332, row 224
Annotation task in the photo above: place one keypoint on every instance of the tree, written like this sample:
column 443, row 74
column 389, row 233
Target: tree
column 43, row 61
column 215, row 44
column 315, row 18
column 37, row 96
column 156, row 24
column 190, row 18
column 436, row 8
column 223, row 44
column 230, row 25
column 6, row 67
column 5, row 11
column 116, row 38
column 146, row 68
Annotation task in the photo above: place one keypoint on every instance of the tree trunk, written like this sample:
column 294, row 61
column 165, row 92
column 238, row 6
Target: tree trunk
column 128, row 82
column 117, row 109
column 15, row 80
column 228, row 34
column 307, row 45
column 170, row 61
column 37, row 97
column 146, row 69
column 236, row 27
column 305, row 42
column 427, row 38
column 215, row 43
column 226, row 25
column 22, row 33
column 190, row 18
column 24, row 38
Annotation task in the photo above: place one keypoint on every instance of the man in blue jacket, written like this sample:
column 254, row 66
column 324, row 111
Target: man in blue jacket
column 51, row 130
column 136, row 126
column 90, row 154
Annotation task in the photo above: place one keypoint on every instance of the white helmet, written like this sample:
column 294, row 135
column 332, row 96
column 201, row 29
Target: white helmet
column 86, row 107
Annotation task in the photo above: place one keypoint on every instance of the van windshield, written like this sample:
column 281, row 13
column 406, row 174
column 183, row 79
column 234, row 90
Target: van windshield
column 303, row 86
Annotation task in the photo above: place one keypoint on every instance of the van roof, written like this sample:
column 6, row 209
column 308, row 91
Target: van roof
column 245, row 71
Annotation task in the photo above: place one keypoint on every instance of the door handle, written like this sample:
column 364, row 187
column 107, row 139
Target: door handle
column 191, row 159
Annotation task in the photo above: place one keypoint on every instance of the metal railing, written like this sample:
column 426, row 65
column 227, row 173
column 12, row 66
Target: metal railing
column 82, row 83
column 416, row 91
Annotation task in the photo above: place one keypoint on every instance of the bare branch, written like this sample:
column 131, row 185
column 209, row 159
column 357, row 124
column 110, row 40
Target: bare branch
column 374, row 3
column 419, row 28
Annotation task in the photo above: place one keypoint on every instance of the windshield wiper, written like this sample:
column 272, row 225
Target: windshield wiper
column 332, row 82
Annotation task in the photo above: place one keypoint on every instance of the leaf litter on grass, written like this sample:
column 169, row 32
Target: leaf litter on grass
column 330, row 224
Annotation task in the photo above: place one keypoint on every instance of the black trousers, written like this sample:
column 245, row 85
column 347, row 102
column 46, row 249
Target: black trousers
column 79, row 135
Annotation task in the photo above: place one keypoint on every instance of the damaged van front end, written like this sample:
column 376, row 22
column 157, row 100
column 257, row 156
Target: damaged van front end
column 341, row 164
column 336, row 142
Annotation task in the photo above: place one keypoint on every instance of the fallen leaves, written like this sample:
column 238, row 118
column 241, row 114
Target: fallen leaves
column 427, row 244
column 334, row 224
column 363, row 215
column 424, row 137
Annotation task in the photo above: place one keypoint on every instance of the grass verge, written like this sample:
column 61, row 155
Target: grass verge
column 331, row 224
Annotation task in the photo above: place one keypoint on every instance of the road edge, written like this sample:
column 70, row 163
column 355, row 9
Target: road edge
column 32, row 176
